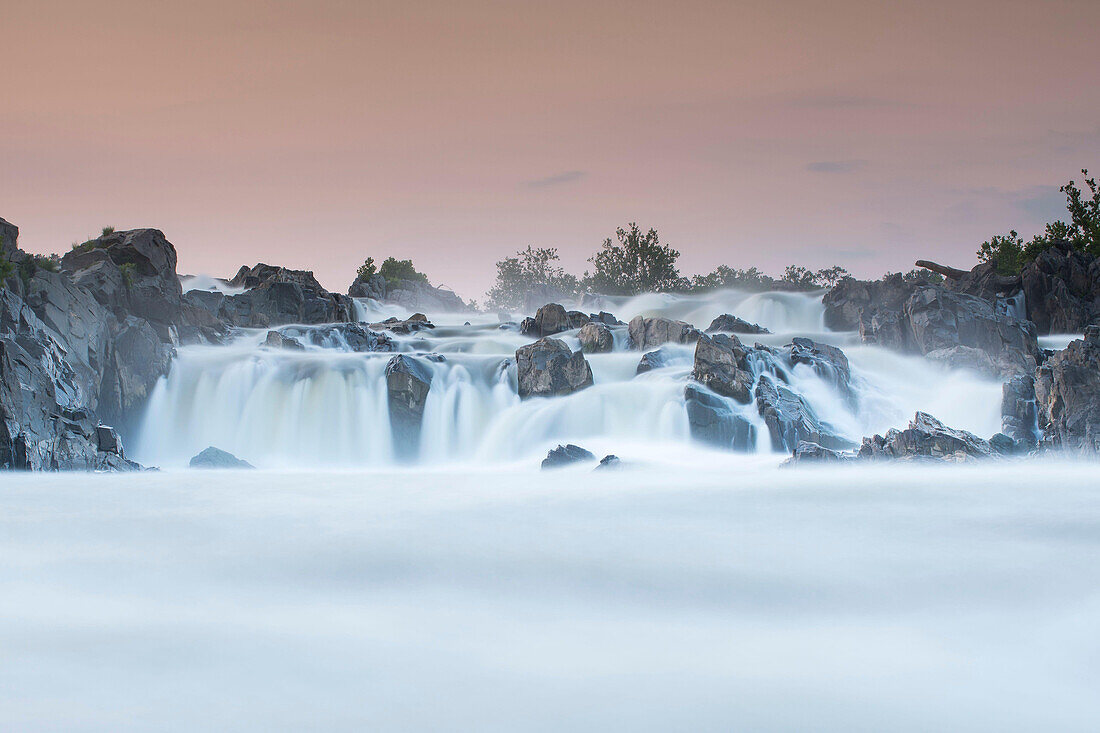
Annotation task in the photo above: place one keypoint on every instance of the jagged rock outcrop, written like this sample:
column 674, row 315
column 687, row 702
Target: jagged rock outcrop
column 596, row 338
column 647, row 333
column 566, row 455
column 368, row 286
column 415, row 322
column 605, row 318
column 852, row 301
column 790, row 418
column 925, row 438
column 1062, row 290
column 1019, row 416
column 415, row 295
column 712, row 421
column 217, row 458
column 727, row 323
column 720, row 365
column 609, row 463
column 550, row 319
column 408, row 381
column 277, row 296
column 827, row 361
column 548, row 368
column 1067, row 392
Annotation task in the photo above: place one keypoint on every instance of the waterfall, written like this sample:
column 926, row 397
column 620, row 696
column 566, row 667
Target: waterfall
column 326, row 406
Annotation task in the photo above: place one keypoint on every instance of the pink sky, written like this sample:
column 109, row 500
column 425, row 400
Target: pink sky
column 313, row 134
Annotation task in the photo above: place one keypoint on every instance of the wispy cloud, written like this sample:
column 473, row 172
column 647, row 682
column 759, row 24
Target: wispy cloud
column 836, row 166
column 557, row 179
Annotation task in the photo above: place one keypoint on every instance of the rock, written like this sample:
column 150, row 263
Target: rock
column 408, row 381
column 1061, row 289
column 606, row 318
column 548, row 368
column 216, row 458
column 416, row 295
column 1067, row 392
column 808, row 452
column 790, row 419
column 550, row 319
column 9, row 241
column 343, row 336
column 108, row 440
column 828, row 362
column 645, row 333
column 852, row 300
column 596, row 338
column 412, row 324
column 732, row 324
column 138, row 360
column 712, row 420
column 926, row 438
column 652, row 360
column 565, row 455
column 276, row 340
column 278, row 296
column 539, row 295
column 609, row 462
column 720, row 365
column 372, row 286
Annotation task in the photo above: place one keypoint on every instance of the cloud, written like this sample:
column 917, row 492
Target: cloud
column 557, row 179
column 836, row 166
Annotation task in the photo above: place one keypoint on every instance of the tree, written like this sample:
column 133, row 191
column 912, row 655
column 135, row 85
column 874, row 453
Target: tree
column 1084, row 212
column 638, row 263
column 366, row 270
column 800, row 276
column 397, row 270
column 830, row 276
column 530, row 268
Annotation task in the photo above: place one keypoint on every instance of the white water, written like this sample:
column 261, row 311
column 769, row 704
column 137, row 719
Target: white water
column 735, row 597
column 326, row 407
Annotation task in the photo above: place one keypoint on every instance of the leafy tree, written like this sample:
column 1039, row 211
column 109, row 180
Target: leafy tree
column 397, row 270
column 799, row 276
column 1005, row 251
column 637, row 263
column 530, row 268
column 830, row 276
column 366, row 270
column 1084, row 212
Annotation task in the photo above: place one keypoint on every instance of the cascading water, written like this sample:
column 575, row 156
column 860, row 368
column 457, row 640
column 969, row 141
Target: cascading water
column 326, row 406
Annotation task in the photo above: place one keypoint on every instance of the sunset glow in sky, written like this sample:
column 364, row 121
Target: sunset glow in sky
column 313, row 134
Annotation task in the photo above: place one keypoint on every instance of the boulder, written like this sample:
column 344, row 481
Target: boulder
column 371, row 286
column 712, row 421
column 925, row 438
column 605, row 318
column 277, row 296
column 652, row 360
column 276, row 340
column 549, row 368
column 827, row 361
column 609, row 463
column 216, row 458
column 412, row 324
column 1067, row 392
column 565, row 455
column 646, row 333
column 108, row 440
column 720, row 365
column 790, row 419
column 726, row 323
column 408, row 381
column 550, row 319
column 596, row 338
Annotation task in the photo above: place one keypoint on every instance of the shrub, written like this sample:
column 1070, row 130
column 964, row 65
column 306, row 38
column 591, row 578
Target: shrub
column 397, row 270
column 127, row 269
column 366, row 270
column 530, row 268
column 107, row 230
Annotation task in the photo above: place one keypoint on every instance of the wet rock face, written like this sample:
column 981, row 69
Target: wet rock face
column 713, row 422
column 216, row 458
column 565, row 455
column 647, row 333
column 549, row 368
column 1062, row 290
column 925, row 438
column 1067, row 391
column 276, row 340
column 828, row 362
column 652, row 360
column 1019, row 417
column 351, row 336
column 408, row 381
column 596, row 338
column 726, row 323
column 790, row 419
column 720, row 365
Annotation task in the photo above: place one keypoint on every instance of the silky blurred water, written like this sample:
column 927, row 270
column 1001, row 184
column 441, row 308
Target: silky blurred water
column 728, row 595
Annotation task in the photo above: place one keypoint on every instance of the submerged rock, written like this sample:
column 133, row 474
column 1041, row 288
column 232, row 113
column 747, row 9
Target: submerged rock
column 408, row 381
column 790, row 419
column 1019, row 416
column 713, row 421
column 565, row 455
column 216, row 458
column 1067, row 391
column 549, row 368
column 727, row 323
column 609, row 462
column 595, row 338
column 645, row 333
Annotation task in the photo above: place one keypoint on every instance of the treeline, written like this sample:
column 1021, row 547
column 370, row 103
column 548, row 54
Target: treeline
column 1009, row 252
column 636, row 262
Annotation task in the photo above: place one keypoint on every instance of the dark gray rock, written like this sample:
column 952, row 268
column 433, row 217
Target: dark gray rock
column 108, row 440
column 926, row 438
column 790, row 419
column 827, row 361
column 412, row 324
column 652, row 360
column 550, row 319
column 596, row 338
column 416, row 295
column 216, row 458
column 408, row 381
column 1062, row 290
column 712, row 421
column 720, row 365
column 727, row 323
column 549, row 368
column 372, row 286
column 276, row 340
column 606, row 318
column 609, row 463
column 565, row 455
column 139, row 358
column 646, row 333
column 807, row 452
column 279, row 296
column 851, row 301
column 1067, row 392
column 1019, row 416
column 343, row 336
